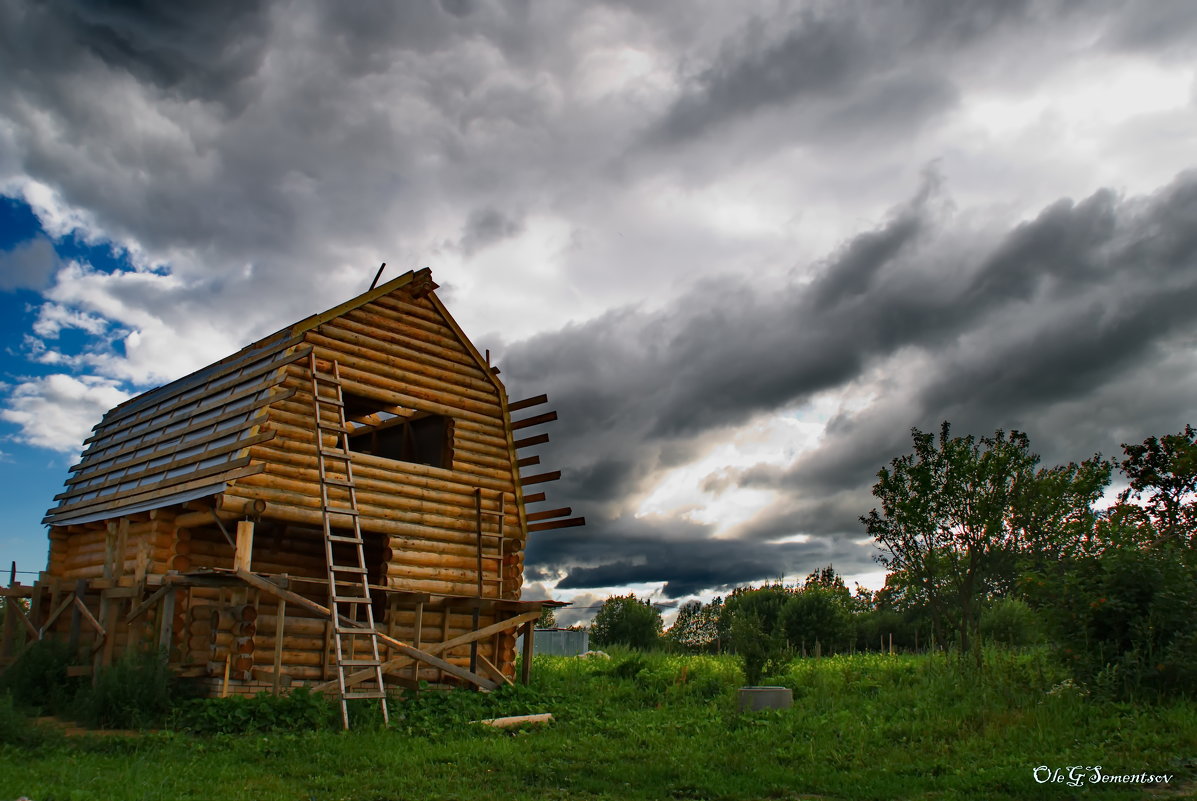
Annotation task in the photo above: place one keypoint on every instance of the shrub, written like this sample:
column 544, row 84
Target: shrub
column 761, row 652
column 816, row 615
column 298, row 710
column 14, row 726
column 627, row 620
column 37, row 681
column 136, row 691
column 1126, row 621
column 1009, row 621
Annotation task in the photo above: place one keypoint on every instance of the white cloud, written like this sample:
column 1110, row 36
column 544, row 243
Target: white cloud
column 58, row 411
column 52, row 318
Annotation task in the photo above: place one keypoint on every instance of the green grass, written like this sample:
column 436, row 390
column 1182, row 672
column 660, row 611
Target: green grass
column 663, row 727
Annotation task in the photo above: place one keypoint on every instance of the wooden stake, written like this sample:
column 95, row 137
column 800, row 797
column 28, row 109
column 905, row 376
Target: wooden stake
column 167, row 631
column 526, row 667
column 279, row 625
column 10, row 618
column 245, row 545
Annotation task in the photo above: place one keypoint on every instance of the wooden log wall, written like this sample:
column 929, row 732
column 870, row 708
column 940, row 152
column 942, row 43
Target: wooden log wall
column 400, row 351
column 420, row 521
column 134, row 545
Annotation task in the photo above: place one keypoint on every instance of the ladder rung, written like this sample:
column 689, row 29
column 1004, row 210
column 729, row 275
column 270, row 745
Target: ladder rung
column 331, row 401
column 335, row 453
column 365, row 694
column 338, row 482
column 356, row 631
column 493, row 514
column 327, row 377
column 340, row 429
column 334, row 510
column 347, row 569
column 339, row 538
column 361, row 662
column 350, row 599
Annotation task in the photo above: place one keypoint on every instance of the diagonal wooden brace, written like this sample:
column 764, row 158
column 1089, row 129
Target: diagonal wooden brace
column 62, row 607
column 392, row 665
column 408, row 651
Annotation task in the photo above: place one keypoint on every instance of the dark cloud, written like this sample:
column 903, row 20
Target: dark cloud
column 283, row 150
column 819, row 55
column 683, row 556
column 1066, row 306
column 199, row 51
column 1154, row 27
column 485, row 227
column 847, row 69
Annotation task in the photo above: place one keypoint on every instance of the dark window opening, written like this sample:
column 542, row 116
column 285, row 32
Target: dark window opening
column 399, row 433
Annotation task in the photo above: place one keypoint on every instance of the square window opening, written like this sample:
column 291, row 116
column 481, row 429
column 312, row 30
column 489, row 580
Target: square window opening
column 398, row 432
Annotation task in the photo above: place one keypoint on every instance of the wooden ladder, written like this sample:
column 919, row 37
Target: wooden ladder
column 495, row 536
column 480, row 517
column 348, row 584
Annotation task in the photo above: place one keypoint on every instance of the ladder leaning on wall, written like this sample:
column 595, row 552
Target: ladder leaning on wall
column 351, row 612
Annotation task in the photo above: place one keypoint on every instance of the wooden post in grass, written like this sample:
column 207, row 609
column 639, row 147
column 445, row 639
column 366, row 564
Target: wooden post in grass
column 280, row 618
column 526, row 667
column 10, row 616
column 167, row 622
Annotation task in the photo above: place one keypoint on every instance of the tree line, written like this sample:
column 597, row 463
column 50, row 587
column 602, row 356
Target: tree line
column 982, row 544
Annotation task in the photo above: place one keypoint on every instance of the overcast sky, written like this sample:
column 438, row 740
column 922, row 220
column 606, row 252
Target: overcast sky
column 744, row 247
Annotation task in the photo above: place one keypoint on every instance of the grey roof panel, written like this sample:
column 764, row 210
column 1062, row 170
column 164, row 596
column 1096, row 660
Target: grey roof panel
column 145, row 506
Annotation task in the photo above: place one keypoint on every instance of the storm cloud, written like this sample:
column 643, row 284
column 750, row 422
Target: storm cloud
column 743, row 247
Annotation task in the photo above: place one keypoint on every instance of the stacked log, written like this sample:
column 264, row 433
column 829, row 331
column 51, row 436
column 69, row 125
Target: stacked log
column 231, row 639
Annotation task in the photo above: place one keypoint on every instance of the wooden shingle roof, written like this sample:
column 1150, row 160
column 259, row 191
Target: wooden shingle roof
column 189, row 438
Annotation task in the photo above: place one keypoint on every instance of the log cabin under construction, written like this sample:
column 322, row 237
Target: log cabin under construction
column 339, row 505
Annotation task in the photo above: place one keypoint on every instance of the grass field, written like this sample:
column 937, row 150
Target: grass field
column 665, row 727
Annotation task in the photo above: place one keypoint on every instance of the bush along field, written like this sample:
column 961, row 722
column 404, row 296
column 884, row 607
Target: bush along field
column 640, row 725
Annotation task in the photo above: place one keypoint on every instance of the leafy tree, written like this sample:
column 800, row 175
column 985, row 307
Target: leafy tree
column 943, row 516
column 761, row 650
column 1052, row 515
column 828, row 579
column 696, row 627
column 627, row 620
column 765, row 603
column 820, row 615
column 547, row 619
column 1167, row 468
